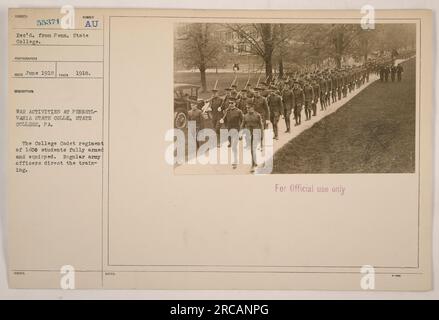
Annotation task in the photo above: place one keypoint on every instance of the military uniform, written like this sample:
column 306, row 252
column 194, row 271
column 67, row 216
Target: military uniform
column 345, row 85
column 287, row 99
column 334, row 88
column 386, row 73
column 265, row 92
column 322, row 84
column 234, row 118
column 382, row 71
column 328, row 90
column 242, row 104
column 216, row 104
column 392, row 73
column 339, row 86
column 227, row 100
column 253, row 123
column 261, row 107
column 399, row 71
column 316, row 91
column 276, row 107
column 299, row 99
column 309, row 97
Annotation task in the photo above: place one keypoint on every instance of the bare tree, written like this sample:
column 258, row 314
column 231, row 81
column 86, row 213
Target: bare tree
column 264, row 39
column 198, row 47
column 343, row 36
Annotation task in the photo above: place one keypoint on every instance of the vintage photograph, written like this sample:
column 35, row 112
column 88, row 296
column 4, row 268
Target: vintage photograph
column 301, row 98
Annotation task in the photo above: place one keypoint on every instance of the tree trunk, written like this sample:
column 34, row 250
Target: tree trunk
column 268, row 68
column 339, row 47
column 203, row 78
column 365, row 47
column 281, row 68
column 267, row 39
column 281, row 50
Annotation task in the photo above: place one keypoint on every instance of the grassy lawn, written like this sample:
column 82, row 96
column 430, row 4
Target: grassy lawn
column 224, row 80
column 372, row 133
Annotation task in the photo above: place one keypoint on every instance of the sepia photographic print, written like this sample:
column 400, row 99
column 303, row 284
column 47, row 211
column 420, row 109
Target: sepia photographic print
column 295, row 98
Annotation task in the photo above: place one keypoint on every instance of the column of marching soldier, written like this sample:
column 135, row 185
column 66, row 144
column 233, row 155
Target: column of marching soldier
column 269, row 101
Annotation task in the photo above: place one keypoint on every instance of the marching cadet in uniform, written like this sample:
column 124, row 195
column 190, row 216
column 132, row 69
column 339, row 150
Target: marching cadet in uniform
column 339, row 85
column 276, row 107
column 322, row 84
column 351, row 80
column 328, row 89
column 368, row 70
column 234, row 93
column 334, row 87
column 233, row 119
column 399, row 71
column 386, row 73
column 261, row 106
column 345, row 84
column 392, row 73
column 316, row 91
column 309, row 97
column 226, row 99
column 264, row 91
column 299, row 99
column 382, row 71
column 242, row 101
column 233, row 116
column 253, row 123
column 216, row 104
column 287, row 99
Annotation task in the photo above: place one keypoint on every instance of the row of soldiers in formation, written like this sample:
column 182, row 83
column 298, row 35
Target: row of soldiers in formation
column 271, row 100
column 395, row 72
column 254, row 108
